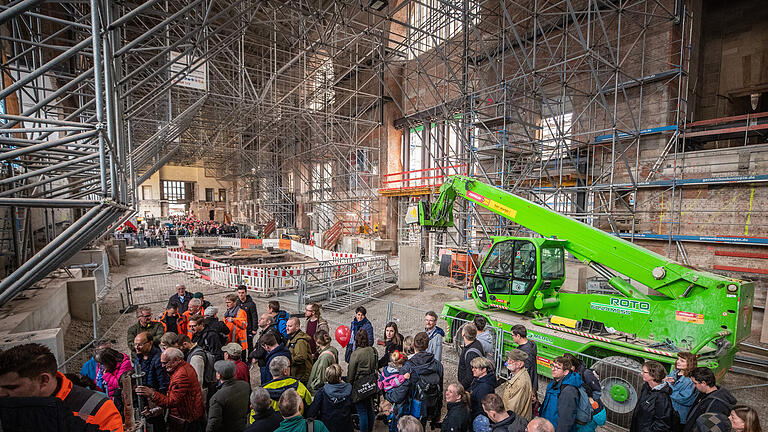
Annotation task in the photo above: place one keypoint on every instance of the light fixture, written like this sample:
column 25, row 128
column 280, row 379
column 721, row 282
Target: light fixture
column 378, row 5
column 310, row 213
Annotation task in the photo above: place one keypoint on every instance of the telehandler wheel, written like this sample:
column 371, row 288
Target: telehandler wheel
column 621, row 380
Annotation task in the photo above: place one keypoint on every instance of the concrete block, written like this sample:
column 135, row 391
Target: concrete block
column 53, row 338
column 409, row 276
column 122, row 247
column 382, row 245
column 81, row 294
column 36, row 309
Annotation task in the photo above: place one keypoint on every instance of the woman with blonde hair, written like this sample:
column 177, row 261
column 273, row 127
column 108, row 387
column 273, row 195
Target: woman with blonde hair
column 744, row 419
column 679, row 379
column 457, row 403
column 483, row 383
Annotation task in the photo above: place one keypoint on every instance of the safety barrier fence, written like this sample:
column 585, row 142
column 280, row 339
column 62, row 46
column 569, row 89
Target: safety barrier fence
column 260, row 279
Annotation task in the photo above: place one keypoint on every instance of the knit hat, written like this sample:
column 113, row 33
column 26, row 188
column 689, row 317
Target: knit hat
column 517, row 354
column 197, row 295
column 713, row 422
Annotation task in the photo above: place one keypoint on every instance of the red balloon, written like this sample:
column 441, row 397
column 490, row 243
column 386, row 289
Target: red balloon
column 343, row 334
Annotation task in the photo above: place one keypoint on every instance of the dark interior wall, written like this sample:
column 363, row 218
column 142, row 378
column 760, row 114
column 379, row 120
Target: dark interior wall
column 733, row 58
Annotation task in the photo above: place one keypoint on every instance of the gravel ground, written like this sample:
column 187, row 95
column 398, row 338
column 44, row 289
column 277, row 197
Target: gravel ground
column 406, row 308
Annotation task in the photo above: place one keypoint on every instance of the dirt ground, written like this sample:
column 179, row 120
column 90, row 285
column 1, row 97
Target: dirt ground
column 406, row 308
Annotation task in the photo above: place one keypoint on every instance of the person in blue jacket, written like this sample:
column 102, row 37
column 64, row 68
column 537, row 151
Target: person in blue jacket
column 562, row 396
column 279, row 317
column 679, row 378
column 359, row 323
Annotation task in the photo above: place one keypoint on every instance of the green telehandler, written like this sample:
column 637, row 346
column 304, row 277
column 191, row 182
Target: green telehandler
column 666, row 308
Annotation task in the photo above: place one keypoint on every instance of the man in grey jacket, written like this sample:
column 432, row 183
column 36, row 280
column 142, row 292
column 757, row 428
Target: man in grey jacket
column 485, row 337
column 436, row 335
column 229, row 407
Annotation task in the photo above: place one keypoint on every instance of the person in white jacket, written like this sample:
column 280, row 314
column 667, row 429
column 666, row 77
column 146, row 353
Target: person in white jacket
column 436, row 335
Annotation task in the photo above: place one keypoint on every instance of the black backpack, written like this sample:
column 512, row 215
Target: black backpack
column 209, row 376
column 426, row 390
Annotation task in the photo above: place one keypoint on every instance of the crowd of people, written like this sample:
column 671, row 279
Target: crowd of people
column 189, row 370
column 166, row 233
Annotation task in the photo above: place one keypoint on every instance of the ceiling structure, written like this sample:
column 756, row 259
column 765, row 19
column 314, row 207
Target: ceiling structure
column 103, row 93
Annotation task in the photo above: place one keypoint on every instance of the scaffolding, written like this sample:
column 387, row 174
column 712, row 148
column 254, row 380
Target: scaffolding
column 553, row 101
column 310, row 107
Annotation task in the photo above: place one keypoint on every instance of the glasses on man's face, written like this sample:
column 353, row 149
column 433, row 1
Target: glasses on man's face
column 139, row 344
column 555, row 367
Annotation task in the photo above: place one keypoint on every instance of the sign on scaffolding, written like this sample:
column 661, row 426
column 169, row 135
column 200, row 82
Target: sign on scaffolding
column 193, row 72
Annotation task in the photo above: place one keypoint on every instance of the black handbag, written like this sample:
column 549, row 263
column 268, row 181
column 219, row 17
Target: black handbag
column 365, row 387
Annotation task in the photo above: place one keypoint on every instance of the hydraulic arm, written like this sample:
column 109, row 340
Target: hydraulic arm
column 594, row 247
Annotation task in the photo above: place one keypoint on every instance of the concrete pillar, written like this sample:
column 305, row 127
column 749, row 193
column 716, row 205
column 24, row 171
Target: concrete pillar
column 409, row 276
column 81, row 294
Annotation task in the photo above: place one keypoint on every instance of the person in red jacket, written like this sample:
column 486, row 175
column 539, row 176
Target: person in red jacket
column 232, row 352
column 29, row 370
column 237, row 321
column 184, row 399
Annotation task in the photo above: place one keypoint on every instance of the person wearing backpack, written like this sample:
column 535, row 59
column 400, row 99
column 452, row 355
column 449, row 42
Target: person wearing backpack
column 561, row 399
column 279, row 317
column 711, row 398
column 208, row 332
column 590, row 412
column 326, row 356
column 427, row 382
column 653, row 411
column 202, row 362
column 472, row 348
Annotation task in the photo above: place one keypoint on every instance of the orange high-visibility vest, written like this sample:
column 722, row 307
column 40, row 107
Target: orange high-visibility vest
column 237, row 329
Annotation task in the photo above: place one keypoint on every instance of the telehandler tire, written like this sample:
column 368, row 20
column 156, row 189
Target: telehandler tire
column 621, row 381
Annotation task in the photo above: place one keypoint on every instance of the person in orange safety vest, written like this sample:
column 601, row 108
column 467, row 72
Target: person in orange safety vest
column 29, row 370
column 237, row 321
column 172, row 321
column 195, row 307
